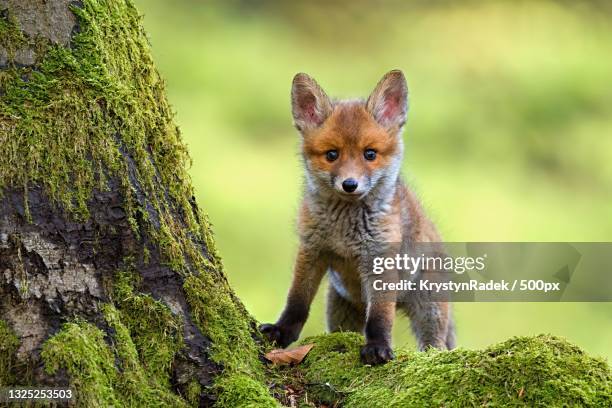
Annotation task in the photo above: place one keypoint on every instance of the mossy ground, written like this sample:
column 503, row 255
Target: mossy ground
column 541, row 371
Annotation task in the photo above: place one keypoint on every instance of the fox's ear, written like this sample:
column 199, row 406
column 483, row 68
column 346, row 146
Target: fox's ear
column 388, row 103
column 310, row 105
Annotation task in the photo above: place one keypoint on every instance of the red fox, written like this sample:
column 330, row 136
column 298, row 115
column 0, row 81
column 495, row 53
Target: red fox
column 355, row 202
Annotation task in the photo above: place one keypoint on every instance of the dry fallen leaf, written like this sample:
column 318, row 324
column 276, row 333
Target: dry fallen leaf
column 521, row 392
column 290, row 356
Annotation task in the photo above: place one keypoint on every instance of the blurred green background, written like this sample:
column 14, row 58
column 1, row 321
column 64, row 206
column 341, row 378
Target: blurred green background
column 509, row 136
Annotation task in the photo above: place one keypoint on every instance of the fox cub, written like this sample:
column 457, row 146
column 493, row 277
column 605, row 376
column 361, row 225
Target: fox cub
column 354, row 204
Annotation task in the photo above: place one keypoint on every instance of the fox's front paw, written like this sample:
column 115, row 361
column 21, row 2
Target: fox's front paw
column 271, row 332
column 278, row 334
column 376, row 353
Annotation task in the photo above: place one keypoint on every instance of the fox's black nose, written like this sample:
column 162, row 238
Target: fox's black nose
column 349, row 185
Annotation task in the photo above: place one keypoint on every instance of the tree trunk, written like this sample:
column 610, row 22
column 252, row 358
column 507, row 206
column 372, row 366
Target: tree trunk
column 109, row 278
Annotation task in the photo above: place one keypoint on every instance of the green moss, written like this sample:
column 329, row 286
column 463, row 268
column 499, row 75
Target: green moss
column 130, row 367
column 9, row 343
column 134, row 370
column 241, row 390
column 11, row 37
column 216, row 313
column 522, row 371
column 154, row 330
column 223, row 320
column 139, row 384
column 81, row 349
column 194, row 389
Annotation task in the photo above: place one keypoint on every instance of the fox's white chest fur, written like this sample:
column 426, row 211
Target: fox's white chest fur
column 345, row 228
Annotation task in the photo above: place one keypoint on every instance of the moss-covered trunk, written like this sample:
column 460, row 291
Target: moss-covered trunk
column 109, row 279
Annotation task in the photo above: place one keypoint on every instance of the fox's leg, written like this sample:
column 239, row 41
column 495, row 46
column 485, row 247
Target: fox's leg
column 380, row 314
column 431, row 323
column 379, row 322
column 343, row 315
column 307, row 274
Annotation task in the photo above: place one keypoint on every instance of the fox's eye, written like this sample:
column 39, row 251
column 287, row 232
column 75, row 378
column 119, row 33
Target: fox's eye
column 331, row 155
column 369, row 154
